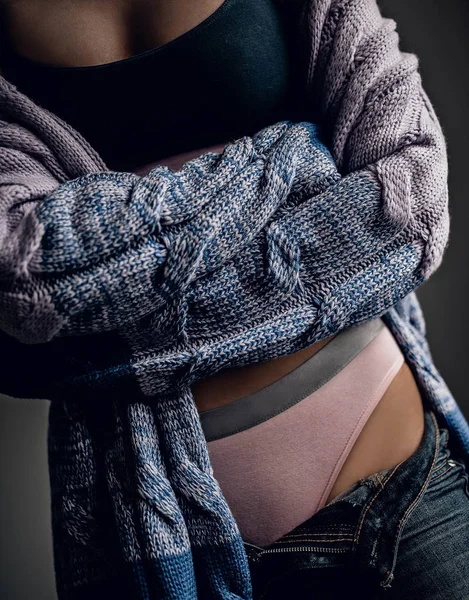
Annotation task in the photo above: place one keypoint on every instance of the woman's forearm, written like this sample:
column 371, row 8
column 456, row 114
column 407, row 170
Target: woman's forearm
column 100, row 233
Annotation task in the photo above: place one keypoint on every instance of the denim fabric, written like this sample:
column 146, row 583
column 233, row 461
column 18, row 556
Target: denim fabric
column 401, row 534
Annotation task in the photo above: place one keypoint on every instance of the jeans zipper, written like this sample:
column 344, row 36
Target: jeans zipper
column 299, row 549
column 306, row 549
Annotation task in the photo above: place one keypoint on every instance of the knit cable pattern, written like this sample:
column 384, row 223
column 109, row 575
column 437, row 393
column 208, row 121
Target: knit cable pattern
column 119, row 291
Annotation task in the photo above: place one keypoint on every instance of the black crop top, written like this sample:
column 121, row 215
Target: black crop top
column 229, row 76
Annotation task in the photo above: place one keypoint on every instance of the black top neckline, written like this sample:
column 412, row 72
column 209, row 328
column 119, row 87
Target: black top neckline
column 231, row 75
column 25, row 61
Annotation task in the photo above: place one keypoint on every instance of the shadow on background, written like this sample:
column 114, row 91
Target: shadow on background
column 26, row 567
column 436, row 30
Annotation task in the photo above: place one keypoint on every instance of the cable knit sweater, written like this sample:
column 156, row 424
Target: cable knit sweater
column 118, row 291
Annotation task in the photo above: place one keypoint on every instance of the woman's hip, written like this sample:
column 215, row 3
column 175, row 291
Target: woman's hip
column 402, row 532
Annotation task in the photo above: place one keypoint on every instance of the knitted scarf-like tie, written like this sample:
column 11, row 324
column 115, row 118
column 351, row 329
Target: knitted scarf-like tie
column 119, row 291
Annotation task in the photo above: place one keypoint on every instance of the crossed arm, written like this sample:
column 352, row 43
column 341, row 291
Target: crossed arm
column 68, row 224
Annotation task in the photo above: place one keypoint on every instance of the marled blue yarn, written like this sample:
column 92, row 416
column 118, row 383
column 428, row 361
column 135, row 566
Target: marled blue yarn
column 242, row 281
column 142, row 285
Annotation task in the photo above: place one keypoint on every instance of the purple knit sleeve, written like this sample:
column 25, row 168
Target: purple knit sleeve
column 85, row 250
column 378, row 117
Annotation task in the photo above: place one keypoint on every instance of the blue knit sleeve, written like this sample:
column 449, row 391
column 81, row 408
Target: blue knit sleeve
column 105, row 250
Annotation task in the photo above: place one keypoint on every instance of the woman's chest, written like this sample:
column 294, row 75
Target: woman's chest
column 91, row 32
column 229, row 76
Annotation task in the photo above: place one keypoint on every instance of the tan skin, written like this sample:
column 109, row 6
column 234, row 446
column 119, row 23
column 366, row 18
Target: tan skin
column 91, row 32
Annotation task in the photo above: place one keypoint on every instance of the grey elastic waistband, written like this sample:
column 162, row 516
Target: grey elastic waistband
column 293, row 387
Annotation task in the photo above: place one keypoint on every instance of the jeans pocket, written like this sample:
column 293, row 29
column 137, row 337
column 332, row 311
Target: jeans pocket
column 433, row 553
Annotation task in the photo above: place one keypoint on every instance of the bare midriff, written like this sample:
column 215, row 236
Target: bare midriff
column 92, row 32
column 391, row 434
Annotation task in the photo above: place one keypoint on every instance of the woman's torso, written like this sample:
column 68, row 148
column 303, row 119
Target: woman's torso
column 93, row 32
column 197, row 73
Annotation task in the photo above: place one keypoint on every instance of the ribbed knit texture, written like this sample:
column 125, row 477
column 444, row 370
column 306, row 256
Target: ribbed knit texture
column 141, row 285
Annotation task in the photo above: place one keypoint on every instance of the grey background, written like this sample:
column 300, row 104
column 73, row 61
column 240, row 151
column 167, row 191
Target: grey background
column 436, row 30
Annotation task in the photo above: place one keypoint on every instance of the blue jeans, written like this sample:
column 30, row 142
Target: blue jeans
column 399, row 534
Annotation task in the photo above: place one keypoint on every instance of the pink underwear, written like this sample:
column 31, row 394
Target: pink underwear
column 277, row 453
